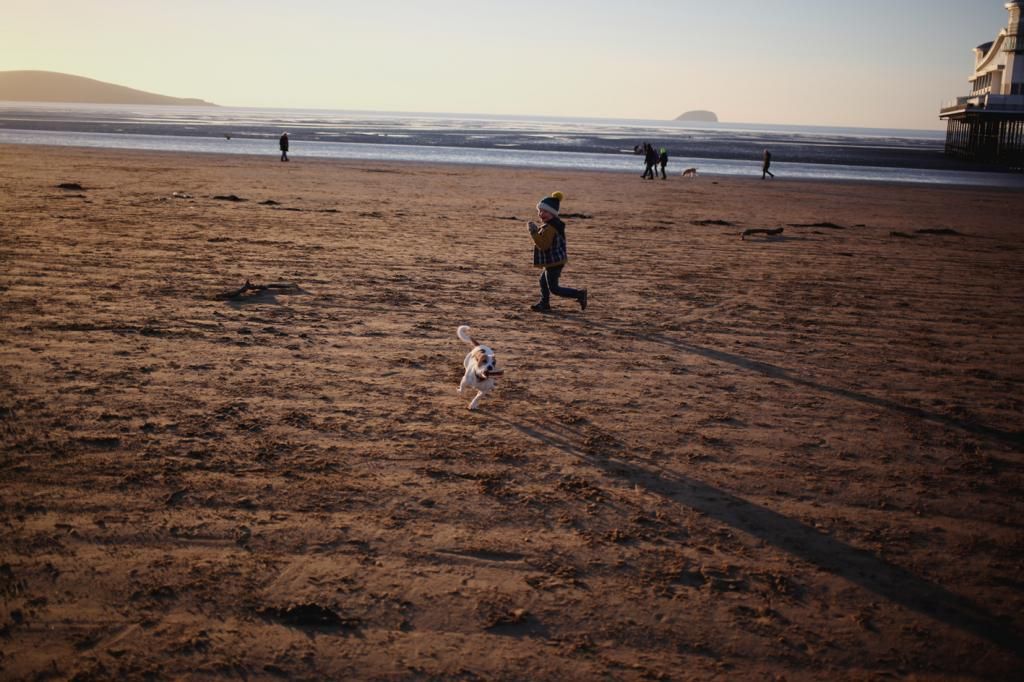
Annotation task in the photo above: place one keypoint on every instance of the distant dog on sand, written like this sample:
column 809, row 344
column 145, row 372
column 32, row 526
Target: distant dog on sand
column 690, row 173
column 481, row 368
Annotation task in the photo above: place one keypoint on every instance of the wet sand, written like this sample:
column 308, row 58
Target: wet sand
column 780, row 457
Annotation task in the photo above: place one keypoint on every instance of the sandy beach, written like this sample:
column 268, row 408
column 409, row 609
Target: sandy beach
column 797, row 457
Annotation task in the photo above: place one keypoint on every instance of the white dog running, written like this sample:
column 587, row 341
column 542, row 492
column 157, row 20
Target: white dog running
column 481, row 368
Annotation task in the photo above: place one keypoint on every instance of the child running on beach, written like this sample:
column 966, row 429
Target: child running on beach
column 551, row 253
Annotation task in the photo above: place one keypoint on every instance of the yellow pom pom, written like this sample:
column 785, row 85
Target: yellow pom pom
column 557, row 195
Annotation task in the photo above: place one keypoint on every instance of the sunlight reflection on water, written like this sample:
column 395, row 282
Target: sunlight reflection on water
column 537, row 142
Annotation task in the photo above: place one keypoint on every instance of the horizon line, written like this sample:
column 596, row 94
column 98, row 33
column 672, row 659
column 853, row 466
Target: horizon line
column 578, row 117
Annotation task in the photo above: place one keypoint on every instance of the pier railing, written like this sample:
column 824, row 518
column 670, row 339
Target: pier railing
column 985, row 103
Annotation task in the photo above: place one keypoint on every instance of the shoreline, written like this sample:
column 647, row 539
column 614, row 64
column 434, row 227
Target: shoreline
column 824, row 153
column 1009, row 181
column 829, row 151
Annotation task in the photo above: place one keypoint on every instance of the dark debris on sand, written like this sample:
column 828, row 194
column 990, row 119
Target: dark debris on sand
column 308, row 616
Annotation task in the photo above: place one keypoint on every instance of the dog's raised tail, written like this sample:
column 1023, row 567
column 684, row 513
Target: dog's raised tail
column 463, row 332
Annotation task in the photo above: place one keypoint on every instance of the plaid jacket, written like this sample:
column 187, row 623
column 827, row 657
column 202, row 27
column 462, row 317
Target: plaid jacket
column 549, row 248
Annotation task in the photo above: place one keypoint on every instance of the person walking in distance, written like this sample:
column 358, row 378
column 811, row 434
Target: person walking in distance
column 767, row 164
column 551, row 254
column 663, row 161
column 284, row 146
column 650, row 161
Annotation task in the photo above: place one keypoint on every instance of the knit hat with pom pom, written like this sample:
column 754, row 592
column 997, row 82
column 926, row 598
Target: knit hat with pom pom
column 551, row 203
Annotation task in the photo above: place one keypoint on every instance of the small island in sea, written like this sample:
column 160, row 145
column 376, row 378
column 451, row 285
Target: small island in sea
column 704, row 116
column 49, row 86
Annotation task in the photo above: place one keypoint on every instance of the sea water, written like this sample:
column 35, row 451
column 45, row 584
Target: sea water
column 529, row 142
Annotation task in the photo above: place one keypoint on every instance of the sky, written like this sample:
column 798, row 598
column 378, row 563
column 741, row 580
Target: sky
column 866, row 63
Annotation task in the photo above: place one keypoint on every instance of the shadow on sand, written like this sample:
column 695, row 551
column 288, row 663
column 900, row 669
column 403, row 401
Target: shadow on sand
column 827, row 553
column 862, row 568
column 1013, row 439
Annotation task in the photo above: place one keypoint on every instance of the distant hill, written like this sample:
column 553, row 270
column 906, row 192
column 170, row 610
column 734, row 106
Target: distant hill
column 48, row 86
column 706, row 116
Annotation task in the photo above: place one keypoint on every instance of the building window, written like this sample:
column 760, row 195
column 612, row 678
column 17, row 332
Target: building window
column 982, row 84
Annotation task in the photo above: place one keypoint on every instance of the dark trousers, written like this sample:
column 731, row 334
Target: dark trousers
column 549, row 285
column 284, row 154
column 663, row 177
column 648, row 171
